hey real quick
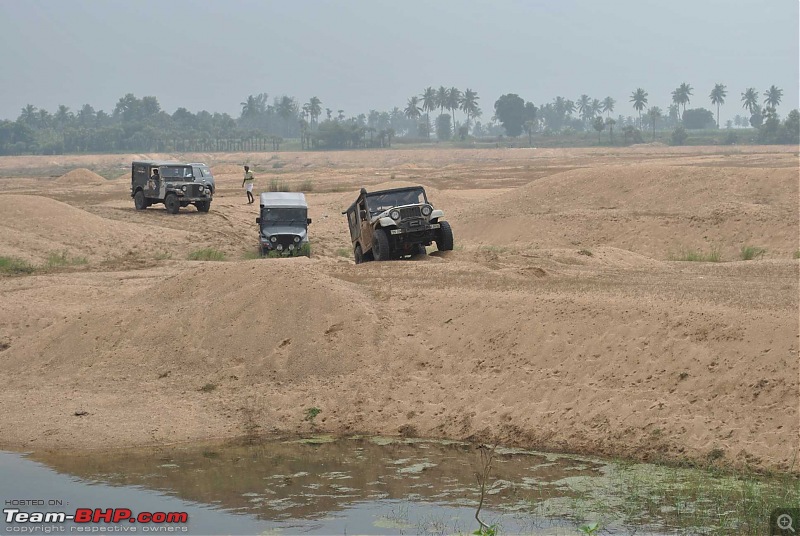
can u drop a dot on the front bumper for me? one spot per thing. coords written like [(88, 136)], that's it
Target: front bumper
[(416, 229)]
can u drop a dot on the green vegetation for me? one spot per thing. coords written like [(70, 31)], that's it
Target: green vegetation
[(207, 388), (55, 260), (343, 252), (311, 414), (306, 186), (14, 266), (749, 253), (589, 528), (252, 254), (683, 500), (206, 254), (693, 255), (797, 254), (278, 186)]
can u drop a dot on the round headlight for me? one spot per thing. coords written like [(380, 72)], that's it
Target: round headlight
[(183, 188), (291, 247), (296, 239), (280, 247), (426, 210), (273, 239), (395, 215)]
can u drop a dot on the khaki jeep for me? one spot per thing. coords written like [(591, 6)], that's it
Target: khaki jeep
[(389, 224)]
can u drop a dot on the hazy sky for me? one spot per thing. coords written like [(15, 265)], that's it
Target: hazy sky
[(374, 54)]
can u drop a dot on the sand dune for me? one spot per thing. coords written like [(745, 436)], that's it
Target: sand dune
[(80, 176), (34, 226), (654, 210)]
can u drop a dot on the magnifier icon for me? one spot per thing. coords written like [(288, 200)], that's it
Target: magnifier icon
[(784, 522)]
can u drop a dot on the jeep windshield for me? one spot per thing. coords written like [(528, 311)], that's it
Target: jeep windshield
[(287, 216), (377, 203), (176, 173)]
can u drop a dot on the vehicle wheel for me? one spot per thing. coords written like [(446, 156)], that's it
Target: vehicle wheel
[(421, 250), (380, 246), (172, 203), (444, 240), (203, 206), (139, 201), (358, 255)]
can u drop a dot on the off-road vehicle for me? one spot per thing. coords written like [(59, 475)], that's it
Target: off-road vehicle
[(174, 185), (203, 175), (283, 224), (389, 224)]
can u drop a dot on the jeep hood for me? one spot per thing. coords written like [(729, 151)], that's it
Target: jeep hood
[(385, 213)]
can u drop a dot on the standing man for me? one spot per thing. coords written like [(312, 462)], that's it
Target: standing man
[(247, 183)]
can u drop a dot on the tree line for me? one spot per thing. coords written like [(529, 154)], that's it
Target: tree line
[(563, 115), (141, 125)]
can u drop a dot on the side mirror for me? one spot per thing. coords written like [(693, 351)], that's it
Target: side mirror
[(308, 221), (258, 220), (363, 214)]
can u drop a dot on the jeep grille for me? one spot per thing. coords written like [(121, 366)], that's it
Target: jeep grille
[(284, 240), (410, 212), (193, 190)]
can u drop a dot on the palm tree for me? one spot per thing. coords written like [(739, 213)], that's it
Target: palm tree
[(286, 108), (86, 115), (654, 113), (639, 100), (413, 111), (28, 115), (717, 96), (750, 100), (610, 124), (63, 116), (469, 104), (584, 107), (608, 106), (683, 92), (441, 98), (596, 107), (314, 110), (428, 105), (773, 96), (453, 103), (254, 106)]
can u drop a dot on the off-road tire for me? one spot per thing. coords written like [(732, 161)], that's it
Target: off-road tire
[(172, 203), (139, 200), (380, 246), (358, 255), (444, 239), (203, 206)]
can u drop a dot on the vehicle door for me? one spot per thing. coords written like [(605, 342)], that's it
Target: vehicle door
[(153, 185), (364, 225)]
